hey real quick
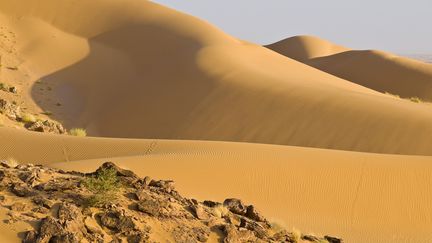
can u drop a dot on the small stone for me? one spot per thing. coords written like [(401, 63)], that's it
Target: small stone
[(30, 237), (21, 190)]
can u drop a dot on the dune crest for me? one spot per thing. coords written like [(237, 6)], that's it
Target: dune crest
[(378, 70)]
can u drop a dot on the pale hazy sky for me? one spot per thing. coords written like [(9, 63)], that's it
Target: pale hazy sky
[(401, 26)]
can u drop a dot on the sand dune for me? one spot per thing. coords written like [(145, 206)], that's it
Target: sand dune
[(134, 69), (377, 70), (140, 70), (360, 197)]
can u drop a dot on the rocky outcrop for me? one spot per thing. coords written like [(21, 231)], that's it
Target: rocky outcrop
[(14, 112), (58, 201)]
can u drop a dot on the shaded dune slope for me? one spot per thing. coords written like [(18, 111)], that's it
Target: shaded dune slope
[(311, 189), (377, 70), (145, 71)]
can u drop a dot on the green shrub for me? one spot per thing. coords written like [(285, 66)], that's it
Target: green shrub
[(104, 187), (78, 132), (28, 118), (416, 99)]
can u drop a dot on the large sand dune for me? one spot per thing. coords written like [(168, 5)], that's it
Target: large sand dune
[(134, 69), (377, 70)]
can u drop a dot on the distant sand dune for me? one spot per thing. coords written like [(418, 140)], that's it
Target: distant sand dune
[(377, 70)]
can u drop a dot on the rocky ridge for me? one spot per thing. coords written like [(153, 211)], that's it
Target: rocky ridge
[(144, 210)]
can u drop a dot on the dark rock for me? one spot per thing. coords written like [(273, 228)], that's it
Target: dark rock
[(211, 204), (153, 207), (30, 237), (332, 239), (235, 206), (41, 201), (22, 190), (166, 186), (253, 214), (312, 238), (49, 228), (117, 222), (120, 172)]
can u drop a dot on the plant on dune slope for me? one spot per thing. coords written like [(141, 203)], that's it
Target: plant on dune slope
[(78, 132), (104, 187), (28, 118)]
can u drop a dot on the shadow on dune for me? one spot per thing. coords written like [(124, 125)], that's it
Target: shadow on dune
[(137, 76)]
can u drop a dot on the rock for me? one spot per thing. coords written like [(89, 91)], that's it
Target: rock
[(18, 206), (46, 126), (141, 195), (30, 237), (22, 190), (200, 213), (49, 228), (312, 238), (166, 186), (69, 212), (92, 226), (120, 172), (235, 206), (332, 239), (68, 237), (153, 207), (10, 110), (41, 201), (140, 237), (232, 235), (211, 204), (117, 222), (13, 90), (253, 214)]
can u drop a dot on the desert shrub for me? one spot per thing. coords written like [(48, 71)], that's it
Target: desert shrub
[(11, 162), (104, 187), (394, 95), (3, 87), (416, 99), (78, 132), (28, 118)]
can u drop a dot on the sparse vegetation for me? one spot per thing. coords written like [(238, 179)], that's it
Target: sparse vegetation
[(416, 99), (394, 95), (78, 132), (104, 187), (48, 113), (296, 233), (11, 162), (28, 118)]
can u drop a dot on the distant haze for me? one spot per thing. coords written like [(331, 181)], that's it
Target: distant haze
[(397, 26)]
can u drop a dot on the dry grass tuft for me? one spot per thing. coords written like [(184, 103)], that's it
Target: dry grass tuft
[(78, 132), (28, 118)]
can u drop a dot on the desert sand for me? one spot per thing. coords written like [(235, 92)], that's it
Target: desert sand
[(309, 136)]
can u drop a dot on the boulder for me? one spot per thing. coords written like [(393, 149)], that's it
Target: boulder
[(235, 206), (253, 214), (332, 239)]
